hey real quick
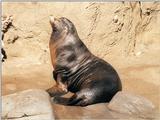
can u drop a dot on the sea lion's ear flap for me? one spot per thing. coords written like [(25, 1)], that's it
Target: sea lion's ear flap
[(52, 20)]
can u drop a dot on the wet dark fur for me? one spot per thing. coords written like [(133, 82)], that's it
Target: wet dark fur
[(91, 79)]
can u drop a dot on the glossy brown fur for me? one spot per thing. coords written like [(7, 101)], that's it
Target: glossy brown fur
[(76, 69)]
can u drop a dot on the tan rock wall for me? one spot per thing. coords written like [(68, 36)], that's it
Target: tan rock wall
[(108, 29)]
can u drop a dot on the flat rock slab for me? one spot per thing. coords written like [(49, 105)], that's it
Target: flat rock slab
[(32, 104), (131, 104)]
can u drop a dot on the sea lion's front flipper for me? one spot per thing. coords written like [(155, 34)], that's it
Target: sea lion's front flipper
[(56, 91)]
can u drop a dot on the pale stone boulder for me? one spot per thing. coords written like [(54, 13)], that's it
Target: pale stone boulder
[(131, 104), (32, 104)]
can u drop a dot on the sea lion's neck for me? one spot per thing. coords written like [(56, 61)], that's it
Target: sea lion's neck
[(71, 53)]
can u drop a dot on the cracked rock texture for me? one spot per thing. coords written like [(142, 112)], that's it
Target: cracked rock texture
[(32, 104)]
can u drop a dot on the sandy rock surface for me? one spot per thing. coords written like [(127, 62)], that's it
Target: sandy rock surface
[(124, 102), (33, 104), (125, 34)]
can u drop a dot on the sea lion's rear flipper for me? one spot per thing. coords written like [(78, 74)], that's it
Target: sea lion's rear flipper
[(76, 100), (67, 101)]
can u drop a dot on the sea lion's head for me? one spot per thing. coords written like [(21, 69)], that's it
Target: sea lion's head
[(65, 45), (63, 39), (61, 27)]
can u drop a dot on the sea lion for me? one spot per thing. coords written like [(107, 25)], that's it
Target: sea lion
[(77, 70)]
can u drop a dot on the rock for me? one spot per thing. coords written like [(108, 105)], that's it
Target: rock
[(131, 104), (12, 39), (33, 104), (138, 53), (6, 22), (115, 19)]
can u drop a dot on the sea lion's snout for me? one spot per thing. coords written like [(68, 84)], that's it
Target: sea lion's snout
[(51, 18), (59, 28)]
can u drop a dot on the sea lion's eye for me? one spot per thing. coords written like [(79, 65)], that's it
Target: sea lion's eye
[(55, 29)]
